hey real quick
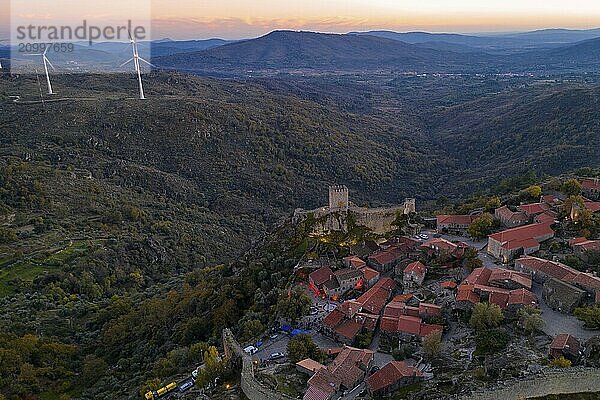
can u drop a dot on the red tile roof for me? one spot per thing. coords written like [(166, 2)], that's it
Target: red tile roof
[(518, 244), (588, 245), (403, 297), (310, 365), (448, 285), (565, 341), (427, 329), (465, 293), (547, 267), (320, 276), (587, 281), (417, 267), (390, 374), (334, 318), (347, 365), (375, 298), (523, 235), (409, 324), (522, 297), (479, 276), (500, 275), (547, 216), (369, 273), (593, 206), (577, 241), (533, 209), (354, 261), (455, 219), (397, 308), (439, 243), (349, 329), (387, 256), (591, 184), (427, 309), (507, 214), (349, 307)]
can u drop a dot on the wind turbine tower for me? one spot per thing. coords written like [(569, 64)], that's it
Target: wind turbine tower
[(46, 63), (136, 64)]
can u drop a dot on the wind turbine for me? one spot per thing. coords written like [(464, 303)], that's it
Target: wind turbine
[(46, 63), (136, 63)]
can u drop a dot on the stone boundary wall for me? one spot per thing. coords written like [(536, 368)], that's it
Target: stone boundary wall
[(251, 387), (573, 380)]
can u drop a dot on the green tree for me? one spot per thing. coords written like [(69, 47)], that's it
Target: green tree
[(363, 340), (432, 344), (589, 315), (492, 204), (472, 263), (294, 304), (481, 226), (534, 192), (486, 316), (252, 329), (530, 319), (561, 362), (490, 341), (571, 187), (94, 368), (214, 367), (301, 347)]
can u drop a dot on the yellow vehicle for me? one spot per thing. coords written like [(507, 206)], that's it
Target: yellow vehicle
[(156, 394)]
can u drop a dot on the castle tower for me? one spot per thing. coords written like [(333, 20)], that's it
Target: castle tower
[(338, 198), (410, 206)]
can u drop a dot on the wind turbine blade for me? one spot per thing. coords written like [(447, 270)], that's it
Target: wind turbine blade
[(49, 63), (149, 63), (126, 62)]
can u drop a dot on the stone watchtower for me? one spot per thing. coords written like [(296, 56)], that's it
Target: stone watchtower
[(338, 198)]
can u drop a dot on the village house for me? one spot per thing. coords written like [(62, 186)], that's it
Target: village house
[(317, 280), (443, 247), (533, 209), (510, 243), (308, 366), (385, 260), (562, 296), (352, 317), (353, 262), (542, 270), (414, 274), (370, 276), (406, 322), (591, 188), (457, 224), (374, 299), (347, 278), (567, 346), (392, 377), (345, 372), (507, 279), (510, 294), (509, 218), (582, 247)]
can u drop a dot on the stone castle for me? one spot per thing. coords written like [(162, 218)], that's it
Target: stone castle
[(335, 216)]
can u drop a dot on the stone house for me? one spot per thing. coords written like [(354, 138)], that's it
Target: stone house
[(562, 296)]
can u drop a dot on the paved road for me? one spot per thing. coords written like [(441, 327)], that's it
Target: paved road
[(557, 323)]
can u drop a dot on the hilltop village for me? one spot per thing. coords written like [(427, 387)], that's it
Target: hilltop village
[(410, 304)]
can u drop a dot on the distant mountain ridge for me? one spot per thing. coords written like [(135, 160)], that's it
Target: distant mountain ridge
[(290, 51)]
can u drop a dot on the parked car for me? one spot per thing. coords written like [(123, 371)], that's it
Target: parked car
[(250, 349), (277, 356), (185, 386), (274, 336)]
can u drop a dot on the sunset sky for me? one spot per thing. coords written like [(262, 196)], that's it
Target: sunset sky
[(232, 19)]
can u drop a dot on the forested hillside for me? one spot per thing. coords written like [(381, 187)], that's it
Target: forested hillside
[(119, 218)]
